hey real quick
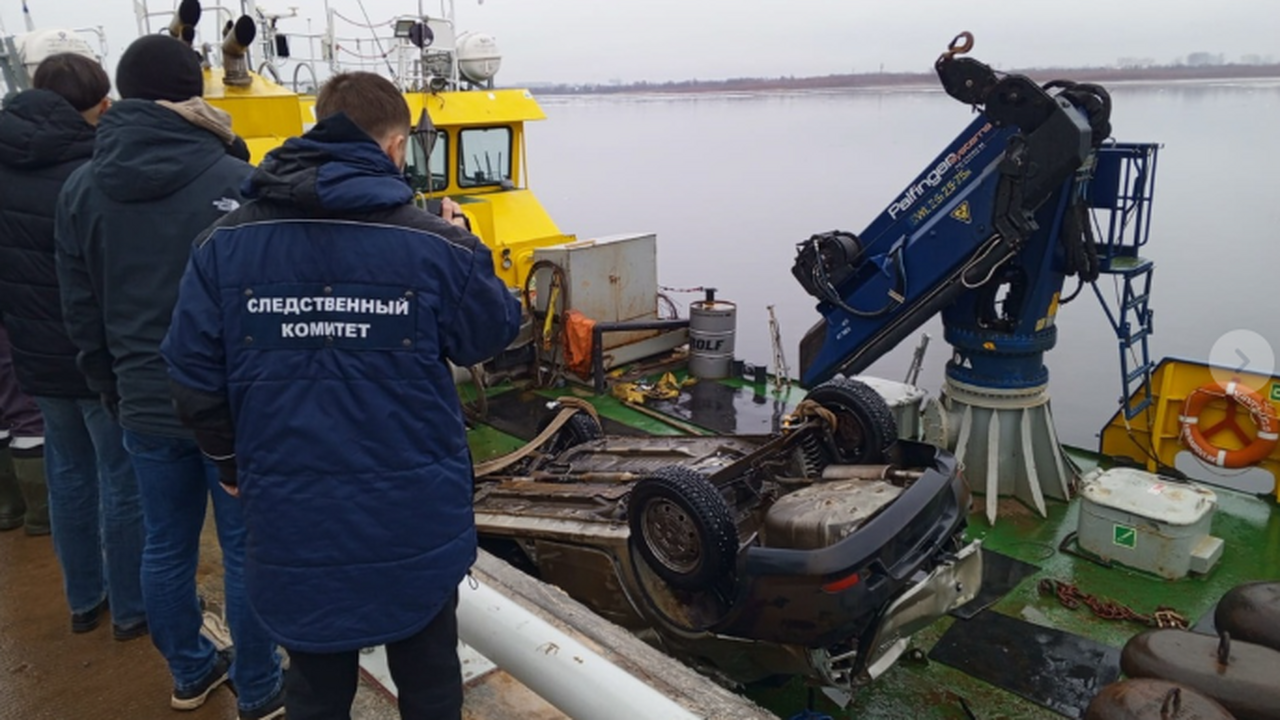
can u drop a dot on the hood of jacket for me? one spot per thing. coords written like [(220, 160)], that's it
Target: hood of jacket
[(38, 128), (335, 167), (146, 151)]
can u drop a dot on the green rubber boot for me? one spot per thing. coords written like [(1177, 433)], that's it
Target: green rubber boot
[(12, 506), (29, 467)]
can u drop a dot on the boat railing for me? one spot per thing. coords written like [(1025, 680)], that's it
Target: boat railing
[(413, 62), (145, 16), (1121, 191), (418, 52)]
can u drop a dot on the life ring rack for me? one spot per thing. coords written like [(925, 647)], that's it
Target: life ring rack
[(1261, 411)]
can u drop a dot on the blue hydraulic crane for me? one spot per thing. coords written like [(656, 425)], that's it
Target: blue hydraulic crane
[(986, 236)]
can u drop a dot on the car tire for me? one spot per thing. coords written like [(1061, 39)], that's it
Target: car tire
[(580, 428), (865, 426), (683, 528)]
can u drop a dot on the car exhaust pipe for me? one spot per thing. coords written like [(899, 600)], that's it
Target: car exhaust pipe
[(868, 472)]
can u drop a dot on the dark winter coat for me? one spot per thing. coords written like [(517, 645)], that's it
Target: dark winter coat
[(42, 141), (125, 226), (310, 342)]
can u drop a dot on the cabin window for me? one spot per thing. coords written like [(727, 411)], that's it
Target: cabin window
[(434, 169), (484, 156)]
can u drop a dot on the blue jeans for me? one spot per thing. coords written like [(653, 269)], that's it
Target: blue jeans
[(176, 482), (94, 508)]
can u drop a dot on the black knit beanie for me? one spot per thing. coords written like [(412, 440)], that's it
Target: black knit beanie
[(159, 67)]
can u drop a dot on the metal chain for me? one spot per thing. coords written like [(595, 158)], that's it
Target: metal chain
[(1073, 597)]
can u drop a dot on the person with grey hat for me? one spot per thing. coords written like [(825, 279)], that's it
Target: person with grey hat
[(125, 223)]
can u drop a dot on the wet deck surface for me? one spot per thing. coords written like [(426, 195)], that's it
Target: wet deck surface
[(931, 690)]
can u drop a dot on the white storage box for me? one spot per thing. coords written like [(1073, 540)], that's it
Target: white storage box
[(610, 279), (1148, 522)]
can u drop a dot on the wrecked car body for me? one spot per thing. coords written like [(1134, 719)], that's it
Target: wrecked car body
[(816, 551)]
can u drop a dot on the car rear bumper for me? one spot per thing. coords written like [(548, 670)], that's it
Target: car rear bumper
[(819, 598), (952, 583)]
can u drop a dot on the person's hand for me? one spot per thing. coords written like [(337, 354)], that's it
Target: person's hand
[(228, 475), (111, 402), (452, 212)]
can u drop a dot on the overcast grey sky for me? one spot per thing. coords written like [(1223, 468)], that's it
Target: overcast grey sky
[(600, 40)]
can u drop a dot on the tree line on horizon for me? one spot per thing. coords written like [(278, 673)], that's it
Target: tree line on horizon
[(1151, 73)]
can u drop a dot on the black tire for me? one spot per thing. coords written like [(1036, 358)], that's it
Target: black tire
[(865, 426), (580, 428), (683, 528)]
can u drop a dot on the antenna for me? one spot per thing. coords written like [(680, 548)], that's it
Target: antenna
[(26, 17)]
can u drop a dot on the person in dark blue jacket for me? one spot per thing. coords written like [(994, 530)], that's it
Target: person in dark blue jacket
[(309, 350), (46, 133), (160, 175)]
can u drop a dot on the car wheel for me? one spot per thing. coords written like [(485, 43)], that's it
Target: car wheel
[(683, 528), (580, 428), (865, 426)]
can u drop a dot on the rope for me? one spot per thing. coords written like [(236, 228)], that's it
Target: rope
[(811, 409), (664, 288), (665, 302), (377, 40), (374, 58), (569, 407), (367, 26)]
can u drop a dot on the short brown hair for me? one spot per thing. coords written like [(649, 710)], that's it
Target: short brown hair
[(78, 79), (369, 100)]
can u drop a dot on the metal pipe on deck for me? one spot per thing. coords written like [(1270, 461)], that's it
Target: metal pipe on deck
[(563, 671), (597, 341)]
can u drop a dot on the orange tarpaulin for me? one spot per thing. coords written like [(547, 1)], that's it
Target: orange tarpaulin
[(578, 342)]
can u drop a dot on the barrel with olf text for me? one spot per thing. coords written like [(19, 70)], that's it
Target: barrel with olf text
[(712, 324)]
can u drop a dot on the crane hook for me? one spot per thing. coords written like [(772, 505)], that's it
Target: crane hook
[(960, 45)]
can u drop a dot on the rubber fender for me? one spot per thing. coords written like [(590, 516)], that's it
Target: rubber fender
[(1251, 612), (1149, 699), (1245, 684)]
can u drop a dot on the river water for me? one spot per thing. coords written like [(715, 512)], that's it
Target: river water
[(731, 182)]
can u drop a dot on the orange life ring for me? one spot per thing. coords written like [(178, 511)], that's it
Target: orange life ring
[(1255, 449)]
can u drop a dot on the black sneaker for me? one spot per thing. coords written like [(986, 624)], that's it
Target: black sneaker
[(195, 697), (272, 710), (88, 620), (132, 632)]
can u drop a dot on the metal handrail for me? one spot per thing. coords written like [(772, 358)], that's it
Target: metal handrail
[(315, 81)]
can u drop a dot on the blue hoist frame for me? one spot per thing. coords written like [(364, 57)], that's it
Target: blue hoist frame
[(986, 236)]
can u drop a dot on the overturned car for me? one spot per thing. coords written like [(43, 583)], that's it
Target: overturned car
[(816, 551)]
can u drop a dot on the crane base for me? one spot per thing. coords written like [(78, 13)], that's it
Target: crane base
[(1005, 441)]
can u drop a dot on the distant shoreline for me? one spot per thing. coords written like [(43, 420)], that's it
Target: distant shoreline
[(880, 80)]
